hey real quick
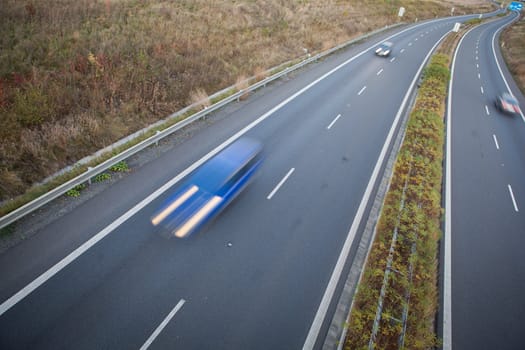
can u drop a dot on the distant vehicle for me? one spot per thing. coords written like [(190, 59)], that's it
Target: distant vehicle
[(210, 189), (507, 103), (384, 49)]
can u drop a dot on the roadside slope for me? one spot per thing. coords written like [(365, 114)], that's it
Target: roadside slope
[(76, 76)]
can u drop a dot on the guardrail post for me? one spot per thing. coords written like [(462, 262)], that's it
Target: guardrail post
[(89, 169), (157, 142)]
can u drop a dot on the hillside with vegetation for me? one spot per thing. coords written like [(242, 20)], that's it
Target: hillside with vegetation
[(77, 75), (513, 47)]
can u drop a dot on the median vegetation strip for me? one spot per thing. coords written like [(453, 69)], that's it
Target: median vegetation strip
[(396, 301)]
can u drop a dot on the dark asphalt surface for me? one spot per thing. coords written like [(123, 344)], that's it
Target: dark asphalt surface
[(263, 291), (488, 235)]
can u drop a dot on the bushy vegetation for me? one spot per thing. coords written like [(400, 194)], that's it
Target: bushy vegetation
[(412, 209), (120, 167), (102, 177), (77, 75), (75, 191)]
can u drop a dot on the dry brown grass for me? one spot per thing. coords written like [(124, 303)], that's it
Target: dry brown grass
[(200, 98), (88, 72), (513, 47)]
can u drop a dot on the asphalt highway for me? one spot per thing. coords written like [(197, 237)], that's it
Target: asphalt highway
[(487, 221), (101, 277)]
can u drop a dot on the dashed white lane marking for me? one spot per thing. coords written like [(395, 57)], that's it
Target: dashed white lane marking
[(328, 295), (163, 324), (333, 122), (477, 58), (477, 65), (495, 141), (479, 76), (392, 59), (379, 71), (415, 39), (487, 110), (362, 90), (280, 183), (409, 44), (402, 50), (513, 199), (482, 91)]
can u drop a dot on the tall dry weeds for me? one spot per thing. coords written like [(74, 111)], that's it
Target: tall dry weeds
[(513, 47)]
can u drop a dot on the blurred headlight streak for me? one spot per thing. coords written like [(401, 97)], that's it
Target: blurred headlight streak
[(198, 217), (157, 219)]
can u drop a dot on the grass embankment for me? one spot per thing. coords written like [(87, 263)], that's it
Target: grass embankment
[(513, 48), (412, 211), (77, 75)]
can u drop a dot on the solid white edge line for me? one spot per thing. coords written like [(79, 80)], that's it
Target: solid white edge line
[(447, 268), (495, 141), (487, 110), (362, 90), (333, 122), (320, 315), (379, 71), (497, 62), (513, 199), (21, 294), (280, 183), (163, 324)]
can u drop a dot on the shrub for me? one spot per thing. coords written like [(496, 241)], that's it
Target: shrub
[(120, 167), (31, 106), (75, 192), (102, 177)]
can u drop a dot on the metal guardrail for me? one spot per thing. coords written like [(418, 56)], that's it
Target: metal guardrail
[(92, 172)]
